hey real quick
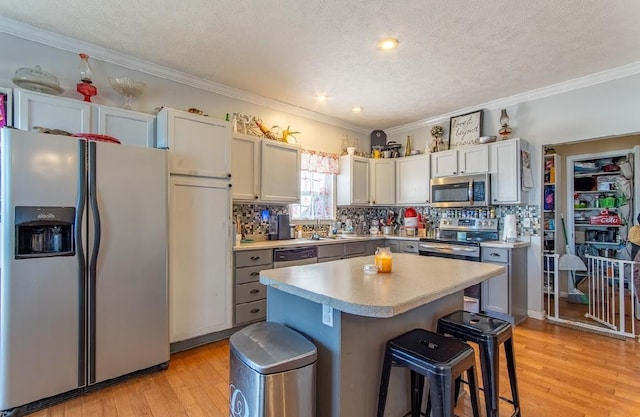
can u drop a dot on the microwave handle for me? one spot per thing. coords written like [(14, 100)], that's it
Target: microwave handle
[(470, 191)]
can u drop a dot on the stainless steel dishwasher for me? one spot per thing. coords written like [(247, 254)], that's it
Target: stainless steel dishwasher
[(295, 256)]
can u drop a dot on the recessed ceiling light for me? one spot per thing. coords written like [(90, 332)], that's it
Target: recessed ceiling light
[(322, 97), (357, 109), (389, 43)]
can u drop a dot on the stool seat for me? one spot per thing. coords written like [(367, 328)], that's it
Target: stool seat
[(441, 359), (489, 333), (474, 326)]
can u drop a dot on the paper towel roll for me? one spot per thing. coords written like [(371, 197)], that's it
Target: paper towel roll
[(510, 231)]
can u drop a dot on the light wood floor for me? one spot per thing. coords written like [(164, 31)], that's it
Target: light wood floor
[(561, 372)]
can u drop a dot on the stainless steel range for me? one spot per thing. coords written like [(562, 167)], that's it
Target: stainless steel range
[(459, 238)]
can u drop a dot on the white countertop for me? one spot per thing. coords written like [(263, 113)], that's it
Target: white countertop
[(414, 281), (288, 243)]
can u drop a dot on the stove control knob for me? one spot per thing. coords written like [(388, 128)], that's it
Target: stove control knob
[(490, 223)]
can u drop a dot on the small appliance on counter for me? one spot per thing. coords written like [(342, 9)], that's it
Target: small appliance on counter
[(279, 227), (510, 231)]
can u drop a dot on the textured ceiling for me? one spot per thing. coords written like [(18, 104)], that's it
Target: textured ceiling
[(453, 54)]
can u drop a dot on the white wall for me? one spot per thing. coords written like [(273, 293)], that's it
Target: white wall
[(603, 110), (607, 109), (19, 53)]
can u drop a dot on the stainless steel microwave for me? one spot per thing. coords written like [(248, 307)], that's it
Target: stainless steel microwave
[(461, 191)]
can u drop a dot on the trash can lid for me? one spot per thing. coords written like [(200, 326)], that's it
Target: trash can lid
[(270, 348)]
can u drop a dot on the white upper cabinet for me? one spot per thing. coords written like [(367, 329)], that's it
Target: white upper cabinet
[(280, 172), (198, 145), (265, 170), (128, 127), (76, 116), (444, 163), (51, 112), (463, 161), (353, 181), (473, 159), (412, 179), (245, 167), (382, 180), (505, 162)]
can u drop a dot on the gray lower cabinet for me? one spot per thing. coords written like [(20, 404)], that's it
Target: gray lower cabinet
[(409, 246), (249, 295), (505, 296), (331, 252), (355, 249), (393, 245), (336, 251), (402, 246)]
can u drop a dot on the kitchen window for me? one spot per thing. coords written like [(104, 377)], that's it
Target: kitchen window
[(317, 187)]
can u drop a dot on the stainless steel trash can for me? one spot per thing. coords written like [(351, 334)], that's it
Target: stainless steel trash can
[(272, 372)]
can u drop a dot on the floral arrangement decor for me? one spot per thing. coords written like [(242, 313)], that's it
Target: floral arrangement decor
[(436, 132)]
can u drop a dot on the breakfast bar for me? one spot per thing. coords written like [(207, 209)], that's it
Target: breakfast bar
[(350, 314)]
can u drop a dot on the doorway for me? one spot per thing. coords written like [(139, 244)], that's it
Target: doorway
[(587, 216)]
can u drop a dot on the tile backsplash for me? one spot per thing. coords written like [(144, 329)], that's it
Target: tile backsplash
[(254, 218)]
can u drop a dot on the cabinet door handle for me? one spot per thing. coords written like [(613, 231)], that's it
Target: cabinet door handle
[(254, 258), (254, 274), (494, 254), (255, 196), (454, 172), (255, 310), (254, 291), (229, 175)]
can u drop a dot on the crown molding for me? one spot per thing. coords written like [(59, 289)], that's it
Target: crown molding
[(32, 33), (563, 87), (55, 40)]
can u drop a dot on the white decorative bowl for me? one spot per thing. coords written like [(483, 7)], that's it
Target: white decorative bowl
[(487, 139), (128, 88)]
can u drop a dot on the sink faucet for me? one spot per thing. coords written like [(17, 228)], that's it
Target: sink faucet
[(316, 229)]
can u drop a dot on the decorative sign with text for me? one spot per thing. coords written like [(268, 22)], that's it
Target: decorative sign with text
[(465, 129)]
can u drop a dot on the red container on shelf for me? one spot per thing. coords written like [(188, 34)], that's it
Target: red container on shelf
[(605, 218)]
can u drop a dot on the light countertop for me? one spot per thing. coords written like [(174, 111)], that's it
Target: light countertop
[(414, 281), (289, 243)]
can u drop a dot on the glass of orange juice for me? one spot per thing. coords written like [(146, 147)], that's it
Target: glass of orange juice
[(383, 259)]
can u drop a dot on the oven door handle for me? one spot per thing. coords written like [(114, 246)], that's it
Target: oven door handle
[(470, 192), (439, 247), (463, 249)]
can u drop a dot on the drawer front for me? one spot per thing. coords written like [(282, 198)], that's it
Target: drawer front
[(354, 248), (329, 251), (251, 274), (254, 257), (253, 311), (409, 246), (495, 255), (253, 291), (329, 259)]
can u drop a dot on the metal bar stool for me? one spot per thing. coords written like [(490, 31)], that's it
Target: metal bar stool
[(488, 333), (441, 359)]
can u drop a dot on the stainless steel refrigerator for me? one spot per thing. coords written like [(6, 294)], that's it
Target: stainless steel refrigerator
[(83, 284)]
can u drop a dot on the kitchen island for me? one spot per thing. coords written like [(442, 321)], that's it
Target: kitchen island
[(350, 315)]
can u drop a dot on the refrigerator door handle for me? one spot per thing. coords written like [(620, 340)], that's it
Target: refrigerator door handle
[(82, 262), (93, 203), (95, 210)]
